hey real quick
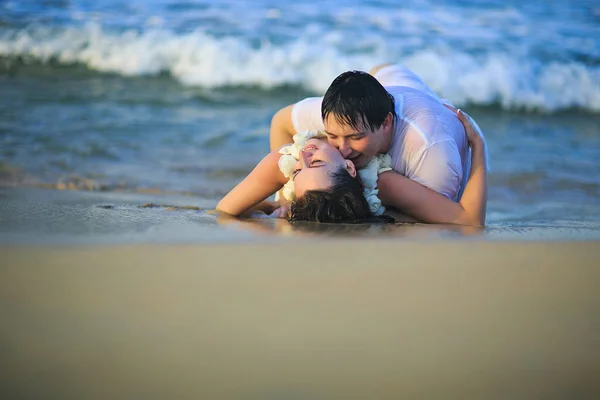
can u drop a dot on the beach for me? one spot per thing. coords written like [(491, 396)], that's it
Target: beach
[(143, 295), (122, 125), (346, 318), (33, 216)]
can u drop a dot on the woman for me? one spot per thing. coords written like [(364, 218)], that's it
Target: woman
[(324, 186), (327, 188)]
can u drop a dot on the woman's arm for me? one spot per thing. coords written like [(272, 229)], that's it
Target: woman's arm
[(429, 206), (262, 182)]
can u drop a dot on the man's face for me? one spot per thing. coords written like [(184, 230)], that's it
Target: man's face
[(359, 145)]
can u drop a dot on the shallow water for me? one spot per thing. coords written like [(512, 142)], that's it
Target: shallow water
[(177, 97), (59, 217)]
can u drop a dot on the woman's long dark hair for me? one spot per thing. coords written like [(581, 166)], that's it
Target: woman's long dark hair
[(344, 202)]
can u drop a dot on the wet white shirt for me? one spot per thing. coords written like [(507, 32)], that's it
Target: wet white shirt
[(429, 145)]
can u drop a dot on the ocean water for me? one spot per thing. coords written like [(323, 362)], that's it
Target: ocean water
[(177, 96)]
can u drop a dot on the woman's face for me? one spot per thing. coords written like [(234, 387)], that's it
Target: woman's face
[(318, 161)]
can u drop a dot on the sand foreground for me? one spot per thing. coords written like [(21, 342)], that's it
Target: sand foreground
[(334, 319)]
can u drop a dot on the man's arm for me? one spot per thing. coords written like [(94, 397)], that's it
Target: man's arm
[(420, 202), (282, 128), (429, 206)]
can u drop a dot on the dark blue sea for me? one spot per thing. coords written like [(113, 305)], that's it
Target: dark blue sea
[(169, 101)]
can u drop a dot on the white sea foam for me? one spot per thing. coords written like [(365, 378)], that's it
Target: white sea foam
[(200, 59)]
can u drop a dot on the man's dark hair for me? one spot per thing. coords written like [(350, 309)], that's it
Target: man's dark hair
[(344, 202), (356, 98)]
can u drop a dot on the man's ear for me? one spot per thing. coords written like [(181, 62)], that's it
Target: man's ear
[(388, 120), (351, 168)]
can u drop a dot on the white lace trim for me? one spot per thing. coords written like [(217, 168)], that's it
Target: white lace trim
[(290, 154), (380, 163)]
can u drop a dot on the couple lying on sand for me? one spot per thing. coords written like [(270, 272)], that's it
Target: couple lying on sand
[(375, 139)]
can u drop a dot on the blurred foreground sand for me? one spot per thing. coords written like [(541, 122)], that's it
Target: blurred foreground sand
[(316, 320)]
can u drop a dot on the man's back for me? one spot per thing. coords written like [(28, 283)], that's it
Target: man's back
[(429, 144)]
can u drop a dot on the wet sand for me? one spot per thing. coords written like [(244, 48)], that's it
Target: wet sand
[(352, 318), (34, 216)]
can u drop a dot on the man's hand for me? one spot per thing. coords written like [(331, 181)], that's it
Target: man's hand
[(473, 131), (474, 134)]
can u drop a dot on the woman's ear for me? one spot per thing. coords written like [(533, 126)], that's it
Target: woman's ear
[(351, 168)]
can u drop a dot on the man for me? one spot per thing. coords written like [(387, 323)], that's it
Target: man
[(405, 119)]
